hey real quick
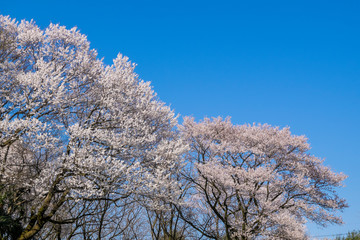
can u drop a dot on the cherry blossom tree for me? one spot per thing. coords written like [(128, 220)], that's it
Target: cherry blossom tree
[(256, 181), (74, 131), (88, 151)]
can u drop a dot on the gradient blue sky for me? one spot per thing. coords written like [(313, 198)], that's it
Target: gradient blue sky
[(286, 63)]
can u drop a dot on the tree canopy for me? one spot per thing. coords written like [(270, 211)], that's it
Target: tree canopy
[(88, 151), (73, 129), (256, 180)]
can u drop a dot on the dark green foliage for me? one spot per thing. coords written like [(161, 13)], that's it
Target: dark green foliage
[(354, 235), (9, 228)]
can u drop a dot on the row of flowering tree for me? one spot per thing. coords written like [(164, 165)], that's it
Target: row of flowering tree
[(87, 151)]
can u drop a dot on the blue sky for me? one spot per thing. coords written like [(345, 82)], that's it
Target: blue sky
[(286, 63)]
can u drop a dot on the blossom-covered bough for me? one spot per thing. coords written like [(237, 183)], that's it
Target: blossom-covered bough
[(87, 151), (74, 131), (256, 182)]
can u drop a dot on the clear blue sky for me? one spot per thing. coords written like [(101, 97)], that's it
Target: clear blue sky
[(286, 63)]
